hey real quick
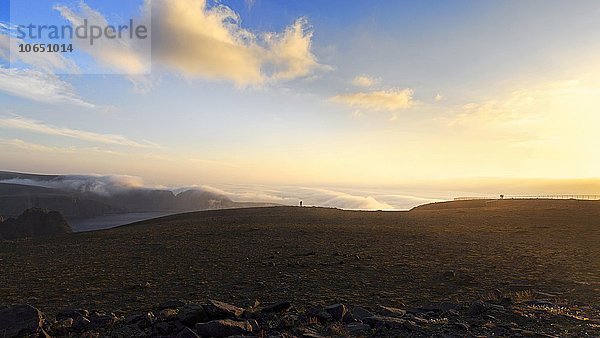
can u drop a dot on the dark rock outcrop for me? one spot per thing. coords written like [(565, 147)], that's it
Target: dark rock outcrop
[(20, 320), (34, 222)]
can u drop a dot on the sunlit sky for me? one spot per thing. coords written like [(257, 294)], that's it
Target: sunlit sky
[(319, 93)]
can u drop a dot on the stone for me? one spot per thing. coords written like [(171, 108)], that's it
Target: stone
[(357, 329), (320, 314), (494, 307), (419, 320), (81, 324), (67, 322), (447, 306), (142, 320), (72, 313), (100, 321), (278, 307), (360, 313), (191, 314), (187, 333), (476, 308), (410, 325), (219, 310), (383, 321), (167, 314), (337, 311), (254, 324), (223, 328), (127, 331), (20, 320), (43, 334), (462, 326), (391, 311), (310, 333), (164, 328)]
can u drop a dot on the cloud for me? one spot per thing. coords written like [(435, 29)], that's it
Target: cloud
[(209, 42), (99, 184), (130, 56), (290, 53), (309, 196), (24, 145), (288, 195), (47, 62), (382, 100), (39, 86), (39, 127), (438, 97), (365, 81), (203, 41)]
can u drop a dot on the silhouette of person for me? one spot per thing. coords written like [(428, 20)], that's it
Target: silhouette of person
[(300, 203)]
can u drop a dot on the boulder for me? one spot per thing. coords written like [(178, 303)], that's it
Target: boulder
[(81, 324), (476, 308), (141, 320), (191, 314), (20, 320), (219, 310), (167, 314), (320, 314), (357, 329), (360, 313), (337, 311), (187, 333), (391, 311), (100, 321), (223, 328), (72, 313), (447, 306), (384, 321), (278, 307)]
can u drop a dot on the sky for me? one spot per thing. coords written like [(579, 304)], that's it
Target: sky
[(424, 98)]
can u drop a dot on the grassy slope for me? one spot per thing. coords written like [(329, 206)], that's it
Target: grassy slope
[(456, 250)]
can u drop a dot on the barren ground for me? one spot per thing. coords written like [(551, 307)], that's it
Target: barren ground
[(455, 251)]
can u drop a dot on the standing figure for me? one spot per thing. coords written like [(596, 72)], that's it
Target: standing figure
[(300, 203)]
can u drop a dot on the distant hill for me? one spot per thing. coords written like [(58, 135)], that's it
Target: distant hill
[(15, 198), (34, 222), (82, 197)]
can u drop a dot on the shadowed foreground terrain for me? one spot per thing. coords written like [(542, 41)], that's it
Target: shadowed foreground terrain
[(454, 251)]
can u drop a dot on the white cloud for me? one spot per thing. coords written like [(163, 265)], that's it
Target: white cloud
[(130, 56), (382, 100), (47, 62), (309, 196), (290, 53), (99, 184), (39, 127), (438, 97), (365, 81), (199, 40), (28, 146), (209, 42), (39, 86)]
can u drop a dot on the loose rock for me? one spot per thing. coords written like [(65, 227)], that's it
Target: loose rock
[(219, 310), (223, 328)]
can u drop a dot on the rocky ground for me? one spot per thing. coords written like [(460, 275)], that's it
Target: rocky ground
[(517, 315), (534, 265)]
